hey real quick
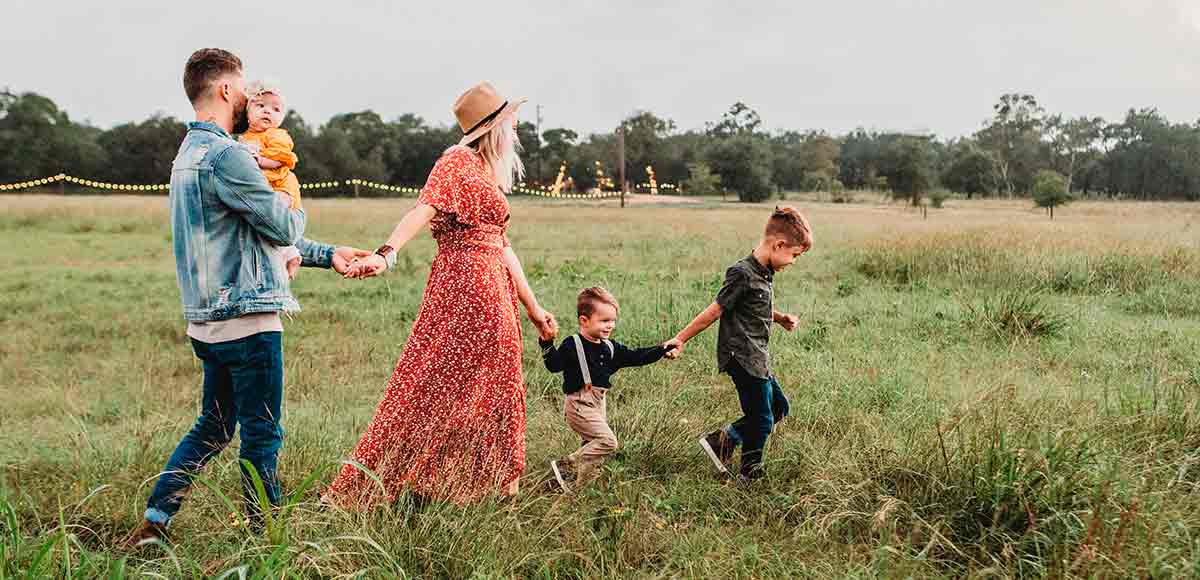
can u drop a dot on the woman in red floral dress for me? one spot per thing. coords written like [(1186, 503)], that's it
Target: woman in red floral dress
[(451, 424)]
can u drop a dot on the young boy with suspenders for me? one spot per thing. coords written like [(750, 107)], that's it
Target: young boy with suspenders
[(587, 361)]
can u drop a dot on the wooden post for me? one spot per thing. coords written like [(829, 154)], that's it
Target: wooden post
[(621, 161), (355, 190), (538, 139)]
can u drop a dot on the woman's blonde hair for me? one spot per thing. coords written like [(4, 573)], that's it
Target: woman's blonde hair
[(501, 149)]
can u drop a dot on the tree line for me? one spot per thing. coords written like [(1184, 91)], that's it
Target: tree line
[(1142, 156)]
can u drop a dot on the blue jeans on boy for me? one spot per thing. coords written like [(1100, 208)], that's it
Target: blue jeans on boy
[(243, 385), (763, 405)]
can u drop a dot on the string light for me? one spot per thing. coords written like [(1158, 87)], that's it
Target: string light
[(555, 193)]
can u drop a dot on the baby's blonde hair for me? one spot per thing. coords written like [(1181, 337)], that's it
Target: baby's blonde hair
[(258, 88)]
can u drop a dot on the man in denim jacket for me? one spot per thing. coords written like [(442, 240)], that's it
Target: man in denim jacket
[(225, 218)]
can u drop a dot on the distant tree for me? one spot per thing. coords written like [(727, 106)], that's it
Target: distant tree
[(37, 139), (531, 151), (142, 152), (744, 164), (701, 180), (907, 164), (645, 136), (971, 170), (861, 158), (818, 158), (738, 120), (787, 170), (1013, 135), (1143, 155), (557, 144), (1050, 190), (1074, 143), (311, 167)]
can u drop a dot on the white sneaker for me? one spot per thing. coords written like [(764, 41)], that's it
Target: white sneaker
[(712, 455), (560, 477)]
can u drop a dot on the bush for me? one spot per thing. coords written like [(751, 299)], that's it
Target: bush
[(701, 180), (1050, 190), (846, 287), (938, 197), (1017, 314)]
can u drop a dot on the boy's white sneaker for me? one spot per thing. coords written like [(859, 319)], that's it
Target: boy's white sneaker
[(719, 450), (561, 476)]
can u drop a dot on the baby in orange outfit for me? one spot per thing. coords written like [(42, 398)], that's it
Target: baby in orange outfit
[(272, 147)]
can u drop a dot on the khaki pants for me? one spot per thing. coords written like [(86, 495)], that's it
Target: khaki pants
[(587, 415)]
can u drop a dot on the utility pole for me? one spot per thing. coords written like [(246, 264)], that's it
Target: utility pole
[(538, 130), (621, 161)]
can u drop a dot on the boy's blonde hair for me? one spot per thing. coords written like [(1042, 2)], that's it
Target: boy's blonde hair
[(589, 297), (788, 224), (257, 88)]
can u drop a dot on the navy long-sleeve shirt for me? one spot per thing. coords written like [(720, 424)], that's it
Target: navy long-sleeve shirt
[(601, 363)]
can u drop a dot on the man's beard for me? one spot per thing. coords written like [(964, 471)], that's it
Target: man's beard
[(241, 122)]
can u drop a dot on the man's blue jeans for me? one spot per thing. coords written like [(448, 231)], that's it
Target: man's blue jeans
[(763, 405), (243, 385)]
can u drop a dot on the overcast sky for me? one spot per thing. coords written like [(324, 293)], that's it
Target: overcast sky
[(913, 65)]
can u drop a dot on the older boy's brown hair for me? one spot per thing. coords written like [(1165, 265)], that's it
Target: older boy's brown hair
[(589, 297), (788, 224), (204, 67)]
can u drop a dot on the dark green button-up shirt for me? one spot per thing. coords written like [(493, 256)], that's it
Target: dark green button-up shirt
[(746, 316)]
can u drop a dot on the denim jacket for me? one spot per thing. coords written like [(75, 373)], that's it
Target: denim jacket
[(226, 225)]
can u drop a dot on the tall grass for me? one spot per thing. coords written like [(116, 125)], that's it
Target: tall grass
[(968, 399)]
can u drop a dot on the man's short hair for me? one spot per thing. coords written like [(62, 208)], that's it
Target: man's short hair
[(204, 67), (789, 225)]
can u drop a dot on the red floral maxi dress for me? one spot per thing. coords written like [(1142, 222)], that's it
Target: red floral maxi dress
[(451, 424)]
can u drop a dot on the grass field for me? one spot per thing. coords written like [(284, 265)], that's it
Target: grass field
[(983, 393)]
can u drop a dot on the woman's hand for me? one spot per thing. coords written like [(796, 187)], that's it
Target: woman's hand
[(343, 257), (546, 325), (366, 267)]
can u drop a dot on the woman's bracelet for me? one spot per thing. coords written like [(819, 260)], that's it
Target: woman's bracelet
[(388, 254)]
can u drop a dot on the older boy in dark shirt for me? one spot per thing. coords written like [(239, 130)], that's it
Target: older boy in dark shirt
[(588, 361), (744, 305)]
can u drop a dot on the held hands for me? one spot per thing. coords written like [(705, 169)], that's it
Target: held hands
[(674, 348), (344, 256), (547, 326), (365, 266)]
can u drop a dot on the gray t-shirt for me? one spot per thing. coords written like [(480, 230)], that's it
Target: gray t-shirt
[(746, 316)]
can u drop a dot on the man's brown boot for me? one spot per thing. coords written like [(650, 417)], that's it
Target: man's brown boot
[(148, 531)]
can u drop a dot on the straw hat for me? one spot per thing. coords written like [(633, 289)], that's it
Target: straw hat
[(478, 109)]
